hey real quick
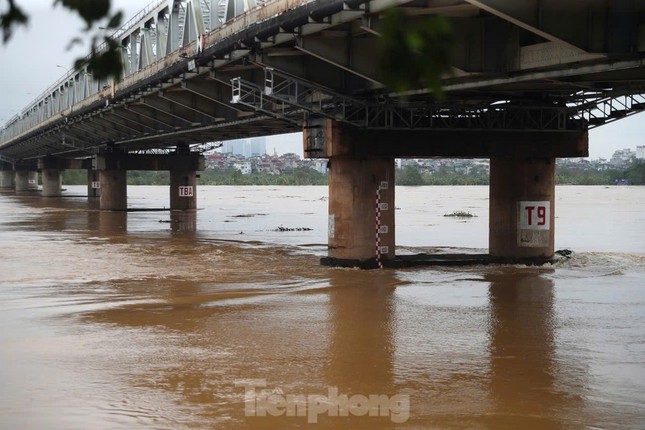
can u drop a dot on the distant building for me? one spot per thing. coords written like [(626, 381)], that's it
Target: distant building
[(243, 166), (248, 148), (640, 152), (320, 166), (622, 157)]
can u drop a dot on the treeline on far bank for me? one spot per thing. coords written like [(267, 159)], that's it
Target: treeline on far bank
[(564, 175), (632, 174), (297, 176)]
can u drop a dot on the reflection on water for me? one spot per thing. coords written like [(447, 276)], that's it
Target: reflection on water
[(522, 351), (160, 319)]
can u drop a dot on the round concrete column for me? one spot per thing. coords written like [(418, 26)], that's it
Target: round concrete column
[(52, 183), (93, 183), (522, 211), (114, 190), (183, 189), (7, 179), (355, 184)]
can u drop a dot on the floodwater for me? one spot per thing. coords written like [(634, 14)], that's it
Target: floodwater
[(218, 320)]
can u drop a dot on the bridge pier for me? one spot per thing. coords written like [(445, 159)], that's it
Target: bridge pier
[(360, 190), (52, 182), (361, 195), (26, 180), (93, 183), (114, 190), (183, 189), (7, 179), (182, 165), (52, 175), (522, 184), (522, 212)]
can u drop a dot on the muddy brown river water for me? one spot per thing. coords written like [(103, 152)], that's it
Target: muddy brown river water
[(219, 320)]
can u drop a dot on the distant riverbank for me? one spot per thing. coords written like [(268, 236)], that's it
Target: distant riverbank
[(634, 174)]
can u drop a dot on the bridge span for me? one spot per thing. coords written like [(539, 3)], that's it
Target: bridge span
[(527, 81)]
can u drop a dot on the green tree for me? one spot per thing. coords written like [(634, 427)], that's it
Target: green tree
[(101, 63), (636, 173), (415, 51), (409, 176)]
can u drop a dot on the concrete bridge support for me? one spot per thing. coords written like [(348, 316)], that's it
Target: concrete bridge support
[(52, 174), (182, 165), (522, 211), (7, 179), (52, 182), (522, 183), (183, 189), (26, 180), (361, 209), (114, 190), (361, 195), (93, 183)]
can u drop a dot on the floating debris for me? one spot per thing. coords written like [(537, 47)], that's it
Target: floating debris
[(247, 215), (460, 214), (566, 253), (293, 229)]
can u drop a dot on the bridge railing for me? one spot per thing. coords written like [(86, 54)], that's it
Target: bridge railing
[(154, 33)]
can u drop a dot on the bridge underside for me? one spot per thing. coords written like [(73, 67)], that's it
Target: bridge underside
[(529, 66)]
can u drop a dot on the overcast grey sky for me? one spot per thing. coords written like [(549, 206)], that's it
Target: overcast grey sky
[(28, 65)]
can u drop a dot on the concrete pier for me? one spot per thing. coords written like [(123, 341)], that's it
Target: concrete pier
[(522, 187), (93, 183), (183, 189), (522, 211), (113, 167), (52, 182), (7, 178), (26, 180), (114, 190), (359, 189)]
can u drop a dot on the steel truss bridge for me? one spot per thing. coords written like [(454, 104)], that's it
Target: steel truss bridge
[(201, 71)]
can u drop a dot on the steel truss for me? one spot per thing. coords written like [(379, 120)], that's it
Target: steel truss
[(598, 108), (283, 96), (196, 148)]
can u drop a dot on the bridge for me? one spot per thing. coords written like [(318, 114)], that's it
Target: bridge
[(527, 80)]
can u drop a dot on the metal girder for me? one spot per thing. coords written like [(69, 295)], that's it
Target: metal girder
[(213, 93), (101, 126), (129, 119), (248, 94), (596, 109), (87, 131), (83, 148), (312, 69), (137, 109), (6, 159), (285, 95), (165, 108), (587, 25), (354, 57), (182, 100), (288, 90), (119, 124)]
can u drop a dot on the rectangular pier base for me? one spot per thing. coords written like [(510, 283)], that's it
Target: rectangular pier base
[(402, 261)]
